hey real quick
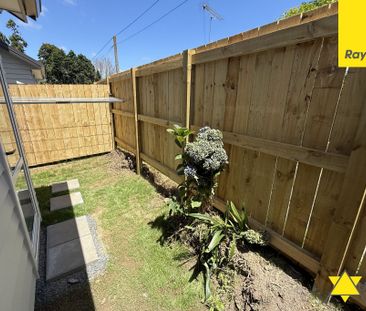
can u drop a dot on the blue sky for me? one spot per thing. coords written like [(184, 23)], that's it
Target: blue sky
[(85, 25)]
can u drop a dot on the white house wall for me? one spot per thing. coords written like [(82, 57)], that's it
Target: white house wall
[(17, 276)]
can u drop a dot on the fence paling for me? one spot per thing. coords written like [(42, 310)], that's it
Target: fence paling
[(289, 117)]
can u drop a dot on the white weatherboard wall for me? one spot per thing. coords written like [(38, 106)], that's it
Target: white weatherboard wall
[(17, 275)]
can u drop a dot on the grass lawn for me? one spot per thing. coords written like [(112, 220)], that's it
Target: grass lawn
[(141, 274)]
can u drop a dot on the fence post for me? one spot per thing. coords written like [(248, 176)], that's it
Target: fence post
[(187, 78), (135, 110), (346, 217), (109, 84)]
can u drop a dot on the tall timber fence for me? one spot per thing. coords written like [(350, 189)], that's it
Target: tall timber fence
[(53, 132), (294, 127)]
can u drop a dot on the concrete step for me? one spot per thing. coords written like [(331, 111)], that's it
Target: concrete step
[(70, 247), (67, 231), (65, 201), (67, 185)]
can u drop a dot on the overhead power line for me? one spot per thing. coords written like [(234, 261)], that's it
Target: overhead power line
[(138, 17), (102, 48), (106, 54), (126, 27), (154, 22)]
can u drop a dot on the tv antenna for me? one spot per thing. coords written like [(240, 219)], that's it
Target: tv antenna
[(213, 15)]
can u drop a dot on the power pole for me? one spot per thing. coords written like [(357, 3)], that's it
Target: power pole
[(116, 63)]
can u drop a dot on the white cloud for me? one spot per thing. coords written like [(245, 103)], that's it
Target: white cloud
[(93, 54), (63, 48), (31, 24), (70, 2), (44, 10)]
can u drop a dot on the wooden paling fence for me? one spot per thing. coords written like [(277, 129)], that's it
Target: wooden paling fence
[(58, 131), (294, 127)]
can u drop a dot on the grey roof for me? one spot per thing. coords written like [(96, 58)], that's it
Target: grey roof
[(31, 61)]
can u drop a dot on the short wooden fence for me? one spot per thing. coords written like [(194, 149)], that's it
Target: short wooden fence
[(53, 132), (294, 127)]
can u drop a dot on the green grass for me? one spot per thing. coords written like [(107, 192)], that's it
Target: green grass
[(141, 274)]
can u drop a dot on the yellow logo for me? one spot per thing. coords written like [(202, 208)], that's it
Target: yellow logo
[(345, 285), (351, 26)]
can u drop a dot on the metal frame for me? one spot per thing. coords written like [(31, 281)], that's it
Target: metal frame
[(22, 163), (33, 251), (62, 100)]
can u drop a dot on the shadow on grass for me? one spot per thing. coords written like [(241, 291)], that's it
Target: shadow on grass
[(169, 227)]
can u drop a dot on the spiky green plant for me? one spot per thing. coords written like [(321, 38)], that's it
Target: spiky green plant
[(218, 244)]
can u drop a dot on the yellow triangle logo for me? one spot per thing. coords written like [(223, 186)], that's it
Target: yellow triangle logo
[(345, 285)]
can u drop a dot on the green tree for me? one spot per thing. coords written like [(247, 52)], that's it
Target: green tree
[(306, 6), (62, 68), (4, 38), (98, 76), (15, 40), (53, 60)]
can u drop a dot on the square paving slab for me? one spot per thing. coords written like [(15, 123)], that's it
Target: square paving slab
[(65, 201), (71, 256), (67, 231), (68, 185)]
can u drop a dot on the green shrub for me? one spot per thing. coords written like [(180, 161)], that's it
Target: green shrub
[(306, 6), (202, 160)]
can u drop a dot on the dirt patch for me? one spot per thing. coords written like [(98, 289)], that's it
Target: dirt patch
[(268, 281), (121, 161), (163, 185)]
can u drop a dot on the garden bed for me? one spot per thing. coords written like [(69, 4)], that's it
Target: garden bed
[(143, 272)]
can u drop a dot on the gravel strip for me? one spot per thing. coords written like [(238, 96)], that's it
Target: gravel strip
[(46, 292)]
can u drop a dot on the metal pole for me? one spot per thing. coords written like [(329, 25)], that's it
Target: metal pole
[(19, 143), (115, 53)]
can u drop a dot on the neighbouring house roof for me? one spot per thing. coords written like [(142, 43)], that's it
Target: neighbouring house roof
[(22, 8), (25, 58), (36, 66)]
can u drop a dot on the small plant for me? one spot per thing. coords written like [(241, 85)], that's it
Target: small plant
[(181, 135), (215, 303), (202, 160), (218, 246)]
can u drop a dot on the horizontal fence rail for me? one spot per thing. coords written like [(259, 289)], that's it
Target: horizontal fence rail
[(77, 124), (294, 127)]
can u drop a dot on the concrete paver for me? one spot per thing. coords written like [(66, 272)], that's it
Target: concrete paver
[(65, 201), (67, 185)]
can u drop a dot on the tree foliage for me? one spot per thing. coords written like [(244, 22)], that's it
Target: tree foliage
[(306, 6), (62, 68), (15, 39)]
